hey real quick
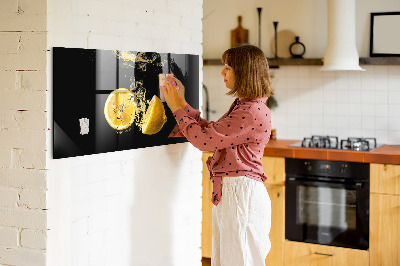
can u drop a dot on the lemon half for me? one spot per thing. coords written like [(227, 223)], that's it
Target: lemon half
[(154, 118), (120, 109)]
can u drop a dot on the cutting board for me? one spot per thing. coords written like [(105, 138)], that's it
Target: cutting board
[(239, 35)]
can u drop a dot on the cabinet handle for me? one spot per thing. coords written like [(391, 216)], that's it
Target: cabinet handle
[(325, 254)]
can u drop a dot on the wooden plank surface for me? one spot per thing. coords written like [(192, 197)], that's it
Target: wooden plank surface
[(277, 234), (384, 236), (305, 254), (206, 232), (385, 179)]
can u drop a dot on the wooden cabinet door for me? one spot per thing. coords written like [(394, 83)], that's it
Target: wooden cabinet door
[(274, 168), (305, 254), (385, 178), (206, 232), (277, 233), (384, 236)]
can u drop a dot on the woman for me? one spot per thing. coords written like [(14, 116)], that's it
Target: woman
[(242, 208)]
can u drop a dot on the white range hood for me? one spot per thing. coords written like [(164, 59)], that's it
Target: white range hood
[(341, 51)]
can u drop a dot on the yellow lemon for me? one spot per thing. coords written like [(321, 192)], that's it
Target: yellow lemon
[(154, 118), (120, 109)]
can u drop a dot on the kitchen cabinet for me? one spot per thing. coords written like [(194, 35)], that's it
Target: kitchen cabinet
[(384, 245), (384, 221), (206, 225), (305, 254), (385, 229), (385, 214), (385, 178), (277, 233), (274, 168)]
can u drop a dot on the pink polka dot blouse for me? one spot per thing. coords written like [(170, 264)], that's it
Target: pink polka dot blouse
[(238, 139)]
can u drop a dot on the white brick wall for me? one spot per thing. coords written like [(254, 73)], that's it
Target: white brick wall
[(23, 178), (23, 16), (24, 256), (23, 218), (8, 197), (136, 207), (22, 132), (34, 239), (101, 206), (9, 237)]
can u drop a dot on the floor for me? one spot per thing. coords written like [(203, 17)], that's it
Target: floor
[(206, 261)]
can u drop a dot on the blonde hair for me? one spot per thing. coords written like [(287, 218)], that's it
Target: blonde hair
[(250, 66)]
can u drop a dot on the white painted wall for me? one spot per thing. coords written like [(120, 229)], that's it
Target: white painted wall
[(305, 18), (22, 132), (311, 102), (136, 207)]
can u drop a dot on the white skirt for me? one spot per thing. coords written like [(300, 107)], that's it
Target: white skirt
[(241, 223)]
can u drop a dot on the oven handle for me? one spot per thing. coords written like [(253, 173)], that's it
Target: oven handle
[(357, 185)]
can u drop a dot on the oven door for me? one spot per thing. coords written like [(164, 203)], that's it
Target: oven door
[(327, 213)]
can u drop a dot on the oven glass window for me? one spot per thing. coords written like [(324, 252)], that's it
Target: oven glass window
[(327, 207)]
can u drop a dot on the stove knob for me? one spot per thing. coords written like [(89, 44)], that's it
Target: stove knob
[(308, 166), (343, 168)]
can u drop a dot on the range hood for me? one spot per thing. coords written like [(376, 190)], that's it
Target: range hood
[(341, 51)]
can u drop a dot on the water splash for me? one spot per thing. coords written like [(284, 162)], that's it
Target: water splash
[(139, 60)]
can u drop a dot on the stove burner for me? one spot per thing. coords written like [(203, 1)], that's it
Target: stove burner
[(328, 142), (358, 144), (332, 142)]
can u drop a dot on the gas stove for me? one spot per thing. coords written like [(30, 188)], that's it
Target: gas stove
[(332, 142)]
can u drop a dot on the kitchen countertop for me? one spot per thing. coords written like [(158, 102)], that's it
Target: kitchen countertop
[(389, 154)]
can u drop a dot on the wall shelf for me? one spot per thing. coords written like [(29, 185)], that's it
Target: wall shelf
[(380, 61), (274, 63)]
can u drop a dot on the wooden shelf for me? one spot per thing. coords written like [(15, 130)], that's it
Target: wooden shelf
[(380, 61), (273, 63), (212, 62)]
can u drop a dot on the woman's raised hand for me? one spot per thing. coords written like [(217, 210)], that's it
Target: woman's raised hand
[(174, 93), (181, 90)]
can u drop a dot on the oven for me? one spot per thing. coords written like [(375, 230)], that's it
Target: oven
[(327, 202)]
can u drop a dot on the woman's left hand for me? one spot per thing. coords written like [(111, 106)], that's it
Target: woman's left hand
[(172, 97)]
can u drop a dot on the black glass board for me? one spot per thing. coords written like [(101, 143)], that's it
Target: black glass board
[(84, 78)]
